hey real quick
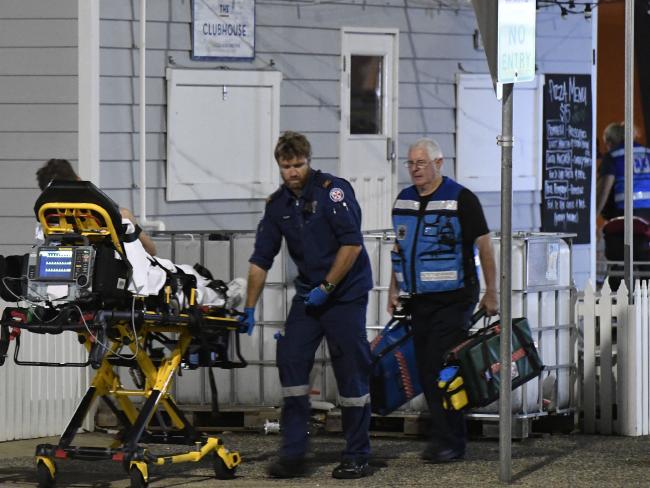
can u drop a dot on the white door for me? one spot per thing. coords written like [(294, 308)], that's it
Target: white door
[(478, 120), (222, 127), (369, 59)]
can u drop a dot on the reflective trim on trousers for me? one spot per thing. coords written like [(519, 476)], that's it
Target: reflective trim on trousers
[(354, 401), (295, 391)]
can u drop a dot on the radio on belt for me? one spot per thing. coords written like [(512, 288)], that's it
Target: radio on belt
[(49, 266)]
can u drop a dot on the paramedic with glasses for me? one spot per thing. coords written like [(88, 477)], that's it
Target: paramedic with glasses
[(438, 226)]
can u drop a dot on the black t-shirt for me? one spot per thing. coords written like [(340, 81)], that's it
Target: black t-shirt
[(472, 225)]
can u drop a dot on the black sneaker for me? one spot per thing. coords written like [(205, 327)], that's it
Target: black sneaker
[(349, 469), (437, 455), (288, 468)]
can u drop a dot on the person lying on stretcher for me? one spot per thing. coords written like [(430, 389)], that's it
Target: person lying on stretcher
[(149, 273)]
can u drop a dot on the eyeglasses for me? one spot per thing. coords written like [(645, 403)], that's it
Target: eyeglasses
[(419, 164)]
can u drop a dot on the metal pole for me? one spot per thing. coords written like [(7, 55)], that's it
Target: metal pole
[(142, 110), (505, 287), (629, 143)]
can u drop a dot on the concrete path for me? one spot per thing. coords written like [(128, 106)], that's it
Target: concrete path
[(545, 461)]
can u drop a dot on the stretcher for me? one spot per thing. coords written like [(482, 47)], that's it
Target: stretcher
[(82, 260)]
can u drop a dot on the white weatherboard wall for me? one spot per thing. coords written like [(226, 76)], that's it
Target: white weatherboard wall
[(301, 40), (38, 95), (38, 101)]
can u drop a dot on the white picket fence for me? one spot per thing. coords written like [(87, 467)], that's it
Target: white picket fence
[(38, 401), (615, 362)]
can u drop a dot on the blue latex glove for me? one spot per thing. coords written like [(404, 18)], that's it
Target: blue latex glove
[(316, 297), (248, 319)]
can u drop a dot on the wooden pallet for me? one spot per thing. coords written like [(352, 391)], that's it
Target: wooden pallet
[(229, 418), (397, 423), (240, 418)]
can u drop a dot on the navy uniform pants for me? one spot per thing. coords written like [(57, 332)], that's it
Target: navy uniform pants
[(437, 327), (344, 327)]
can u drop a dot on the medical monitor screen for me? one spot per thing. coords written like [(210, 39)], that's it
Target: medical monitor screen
[(55, 264)]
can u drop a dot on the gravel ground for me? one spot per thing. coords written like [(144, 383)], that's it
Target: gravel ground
[(540, 461)]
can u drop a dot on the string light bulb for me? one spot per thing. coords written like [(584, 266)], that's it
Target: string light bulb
[(588, 11), (564, 12)]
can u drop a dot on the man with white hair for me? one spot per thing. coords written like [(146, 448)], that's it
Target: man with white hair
[(438, 226)]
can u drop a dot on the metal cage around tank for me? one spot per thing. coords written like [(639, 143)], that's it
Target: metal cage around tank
[(542, 290)]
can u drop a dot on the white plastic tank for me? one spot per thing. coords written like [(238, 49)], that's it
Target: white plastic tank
[(542, 292)]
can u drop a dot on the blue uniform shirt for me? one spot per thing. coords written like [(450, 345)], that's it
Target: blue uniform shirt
[(315, 225)]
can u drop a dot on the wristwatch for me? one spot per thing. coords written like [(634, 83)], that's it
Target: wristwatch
[(327, 286)]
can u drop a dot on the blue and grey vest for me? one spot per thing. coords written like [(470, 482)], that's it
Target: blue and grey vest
[(429, 255), (641, 182)]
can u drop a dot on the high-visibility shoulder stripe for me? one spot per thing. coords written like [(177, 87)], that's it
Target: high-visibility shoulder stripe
[(407, 205), (442, 205)]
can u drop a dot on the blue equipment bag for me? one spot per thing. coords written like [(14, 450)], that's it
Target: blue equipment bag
[(394, 377)]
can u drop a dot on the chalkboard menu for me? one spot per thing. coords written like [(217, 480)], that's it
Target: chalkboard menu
[(567, 155)]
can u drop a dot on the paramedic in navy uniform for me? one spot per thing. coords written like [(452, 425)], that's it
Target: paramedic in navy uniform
[(438, 224), (320, 219)]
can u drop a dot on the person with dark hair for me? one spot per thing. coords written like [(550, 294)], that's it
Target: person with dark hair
[(319, 218), (55, 169), (439, 225), (61, 169)]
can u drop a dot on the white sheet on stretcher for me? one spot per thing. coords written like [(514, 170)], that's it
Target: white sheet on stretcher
[(149, 278)]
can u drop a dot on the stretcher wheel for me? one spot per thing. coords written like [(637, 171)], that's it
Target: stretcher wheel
[(45, 478), (137, 478), (221, 471)]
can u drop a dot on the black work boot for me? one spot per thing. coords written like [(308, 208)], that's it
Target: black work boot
[(349, 469), (436, 455), (288, 468)]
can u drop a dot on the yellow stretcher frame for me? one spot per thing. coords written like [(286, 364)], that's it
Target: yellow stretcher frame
[(94, 223), (79, 218), (158, 380)]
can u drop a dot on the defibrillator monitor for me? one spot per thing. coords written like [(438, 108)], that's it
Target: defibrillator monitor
[(71, 267), (55, 264)]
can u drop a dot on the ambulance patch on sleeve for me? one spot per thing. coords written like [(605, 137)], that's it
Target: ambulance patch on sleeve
[(337, 195)]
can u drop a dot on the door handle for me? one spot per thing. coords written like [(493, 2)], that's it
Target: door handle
[(390, 149)]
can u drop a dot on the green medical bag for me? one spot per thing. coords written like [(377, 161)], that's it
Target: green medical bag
[(478, 360)]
